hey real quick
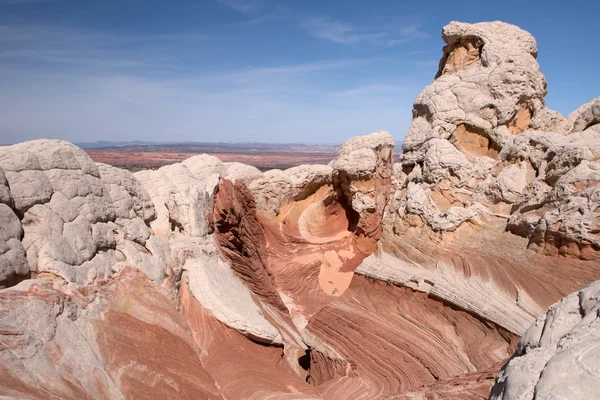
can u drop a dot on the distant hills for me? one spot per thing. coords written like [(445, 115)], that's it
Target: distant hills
[(103, 144), (193, 147)]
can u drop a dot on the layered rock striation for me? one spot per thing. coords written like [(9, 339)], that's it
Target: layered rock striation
[(361, 279)]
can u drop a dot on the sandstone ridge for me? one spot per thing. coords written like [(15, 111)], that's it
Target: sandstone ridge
[(361, 279)]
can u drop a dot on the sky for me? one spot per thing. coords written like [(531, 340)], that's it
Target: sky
[(254, 70)]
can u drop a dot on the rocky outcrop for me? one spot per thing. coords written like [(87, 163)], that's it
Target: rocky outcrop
[(559, 211), (484, 157), (362, 171), (241, 239), (13, 264), (558, 355), (358, 279), (241, 368), (465, 155), (118, 341), (276, 187), (134, 210), (585, 117), (181, 192), (66, 213)]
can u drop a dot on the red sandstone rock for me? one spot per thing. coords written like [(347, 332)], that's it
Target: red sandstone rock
[(378, 339), (242, 369), (124, 340), (471, 386), (241, 240)]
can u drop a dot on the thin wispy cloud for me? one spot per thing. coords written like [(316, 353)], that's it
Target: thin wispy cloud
[(31, 45), (338, 31), (348, 33), (243, 6), (304, 68), (259, 79), (72, 46), (71, 79), (58, 35), (22, 2), (274, 15), (373, 89)]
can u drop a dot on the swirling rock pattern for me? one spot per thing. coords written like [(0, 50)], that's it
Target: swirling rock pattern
[(122, 340), (391, 339), (470, 386), (478, 269), (241, 368), (241, 240)]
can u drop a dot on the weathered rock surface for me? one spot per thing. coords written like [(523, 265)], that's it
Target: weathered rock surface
[(118, 341), (65, 211), (241, 240), (276, 187), (133, 207), (13, 264), (358, 279), (470, 386), (558, 355), (241, 368), (484, 156), (362, 171)]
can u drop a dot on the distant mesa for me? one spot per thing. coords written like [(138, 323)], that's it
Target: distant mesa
[(103, 144)]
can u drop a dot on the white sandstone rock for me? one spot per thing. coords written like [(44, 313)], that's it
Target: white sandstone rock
[(558, 356)]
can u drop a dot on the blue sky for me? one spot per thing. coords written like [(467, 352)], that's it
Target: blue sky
[(254, 70)]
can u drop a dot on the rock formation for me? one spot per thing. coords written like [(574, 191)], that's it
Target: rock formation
[(558, 355), (361, 279), (488, 171)]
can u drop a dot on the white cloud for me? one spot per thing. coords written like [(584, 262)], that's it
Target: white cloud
[(243, 6), (90, 108), (84, 85), (379, 89), (347, 33), (22, 2)]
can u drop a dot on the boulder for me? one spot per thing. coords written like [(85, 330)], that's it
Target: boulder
[(13, 263), (558, 355), (65, 209)]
